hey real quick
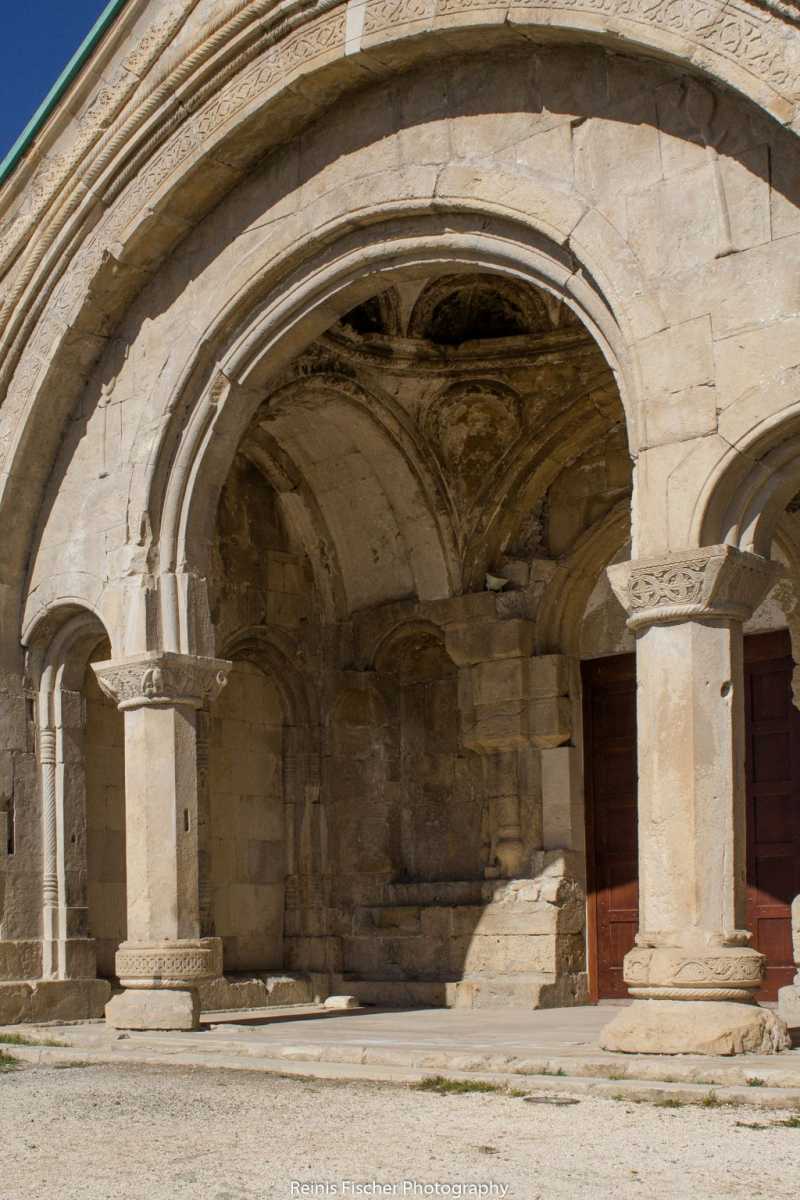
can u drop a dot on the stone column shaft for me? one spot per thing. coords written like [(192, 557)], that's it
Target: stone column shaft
[(687, 611), (204, 826), (50, 898), (164, 957), (690, 712), (161, 824)]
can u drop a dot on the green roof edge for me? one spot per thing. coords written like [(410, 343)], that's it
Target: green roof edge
[(71, 70)]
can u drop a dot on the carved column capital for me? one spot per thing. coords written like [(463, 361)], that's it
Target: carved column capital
[(710, 582), (162, 679)]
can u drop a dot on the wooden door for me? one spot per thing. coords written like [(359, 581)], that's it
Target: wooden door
[(772, 757), (609, 686)]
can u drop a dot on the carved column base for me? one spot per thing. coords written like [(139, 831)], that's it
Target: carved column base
[(730, 973), (154, 1008), (699, 1027), (160, 982), (695, 1001)]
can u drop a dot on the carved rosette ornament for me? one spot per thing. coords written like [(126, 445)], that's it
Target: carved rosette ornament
[(162, 679), (710, 583), (176, 965)]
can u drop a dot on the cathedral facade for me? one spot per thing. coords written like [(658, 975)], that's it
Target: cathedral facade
[(400, 479)]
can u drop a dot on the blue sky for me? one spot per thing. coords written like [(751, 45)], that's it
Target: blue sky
[(39, 38)]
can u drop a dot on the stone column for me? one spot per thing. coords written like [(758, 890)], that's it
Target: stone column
[(50, 898), (692, 973), (165, 956), (67, 950), (789, 997)]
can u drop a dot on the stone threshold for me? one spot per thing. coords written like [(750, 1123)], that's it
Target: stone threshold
[(574, 1083), (239, 1038)]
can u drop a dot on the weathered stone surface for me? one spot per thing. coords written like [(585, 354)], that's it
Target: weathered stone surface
[(694, 1027), (248, 990), (20, 960), (150, 1008), (53, 1000), (789, 1005), (333, 382)]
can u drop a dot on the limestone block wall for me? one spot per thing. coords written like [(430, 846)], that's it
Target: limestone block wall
[(440, 828), (247, 842)]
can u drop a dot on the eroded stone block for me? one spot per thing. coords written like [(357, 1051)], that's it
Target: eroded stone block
[(152, 1008)]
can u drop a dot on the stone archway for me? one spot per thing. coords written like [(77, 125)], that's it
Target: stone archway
[(81, 810), (429, 329), (422, 441)]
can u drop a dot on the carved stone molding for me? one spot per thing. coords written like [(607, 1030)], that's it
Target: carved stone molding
[(146, 153), (711, 582), (162, 679), (719, 973), (169, 964)]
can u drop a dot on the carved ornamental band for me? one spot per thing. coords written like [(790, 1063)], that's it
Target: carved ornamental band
[(715, 973), (162, 679), (710, 582), (169, 963)]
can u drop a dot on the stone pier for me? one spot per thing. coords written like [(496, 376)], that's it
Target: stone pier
[(164, 958), (693, 973)]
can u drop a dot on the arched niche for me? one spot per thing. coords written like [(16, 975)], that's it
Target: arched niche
[(80, 752)]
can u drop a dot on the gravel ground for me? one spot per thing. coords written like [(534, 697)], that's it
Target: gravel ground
[(153, 1133)]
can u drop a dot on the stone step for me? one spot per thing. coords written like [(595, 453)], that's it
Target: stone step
[(531, 990), (398, 993), (255, 989), (630, 1078)]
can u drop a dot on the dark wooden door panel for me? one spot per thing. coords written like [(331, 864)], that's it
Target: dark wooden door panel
[(773, 803), (613, 871)]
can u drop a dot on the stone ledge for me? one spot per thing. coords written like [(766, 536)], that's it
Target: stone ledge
[(614, 1076), (524, 991)]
